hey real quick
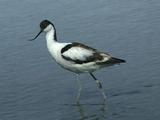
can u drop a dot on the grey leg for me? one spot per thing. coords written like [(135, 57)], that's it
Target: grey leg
[(80, 88), (99, 86)]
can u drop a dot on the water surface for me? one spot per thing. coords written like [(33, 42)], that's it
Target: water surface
[(34, 87)]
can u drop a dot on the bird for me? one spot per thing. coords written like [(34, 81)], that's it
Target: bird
[(76, 57)]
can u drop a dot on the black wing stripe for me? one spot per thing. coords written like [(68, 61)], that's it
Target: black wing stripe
[(75, 61), (67, 47), (95, 57), (91, 58), (74, 44)]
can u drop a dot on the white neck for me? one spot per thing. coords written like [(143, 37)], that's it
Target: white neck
[(50, 37)]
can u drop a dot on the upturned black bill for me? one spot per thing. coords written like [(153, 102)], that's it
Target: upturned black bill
[(36, 36)]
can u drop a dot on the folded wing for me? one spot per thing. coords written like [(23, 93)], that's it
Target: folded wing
[(80, 54)]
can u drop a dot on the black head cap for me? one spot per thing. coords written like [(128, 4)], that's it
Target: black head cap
[(44, 24)]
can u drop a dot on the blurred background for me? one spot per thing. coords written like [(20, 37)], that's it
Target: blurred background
[(34, 87)]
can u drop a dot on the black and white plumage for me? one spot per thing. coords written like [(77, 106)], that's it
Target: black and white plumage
[(76, 57), (86, 59)]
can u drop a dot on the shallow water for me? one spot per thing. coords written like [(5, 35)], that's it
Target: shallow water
[(34, 87)]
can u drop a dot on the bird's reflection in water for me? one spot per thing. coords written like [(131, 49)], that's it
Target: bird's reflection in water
[(97, 115)]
